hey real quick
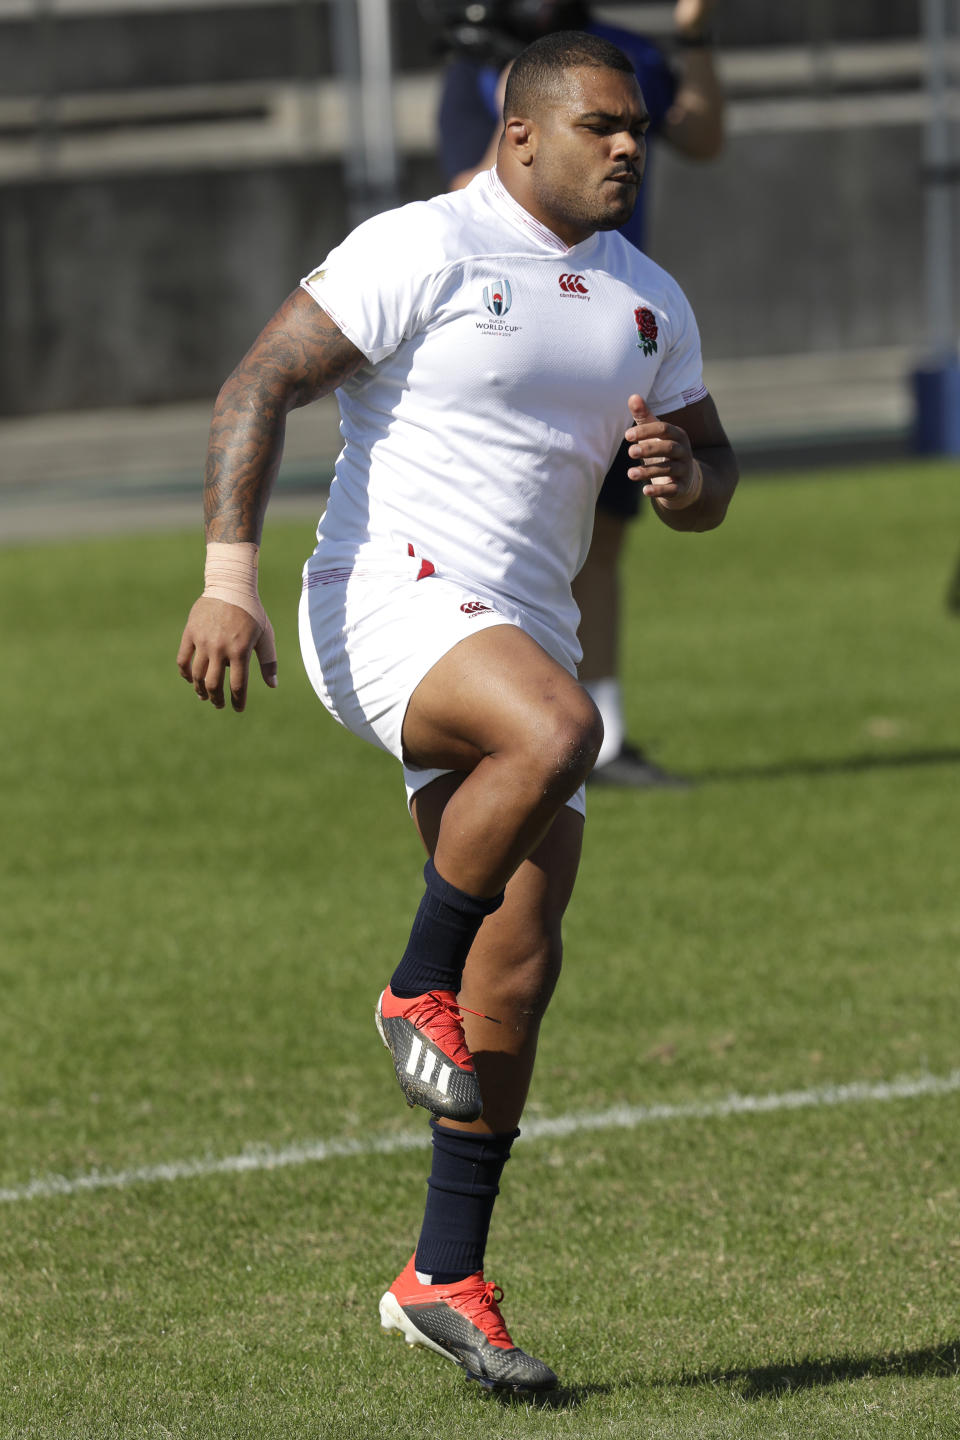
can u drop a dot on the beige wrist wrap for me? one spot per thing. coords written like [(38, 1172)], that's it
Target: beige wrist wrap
[(697, 490), (683, 502), (230, 574)]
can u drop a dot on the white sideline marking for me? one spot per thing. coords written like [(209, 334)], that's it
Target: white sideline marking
[(618, 1117)]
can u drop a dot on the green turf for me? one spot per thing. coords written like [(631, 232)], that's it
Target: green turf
[(199, 908)]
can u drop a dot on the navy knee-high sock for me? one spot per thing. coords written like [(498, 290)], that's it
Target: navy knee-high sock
[(462, 1188), (445, 927)]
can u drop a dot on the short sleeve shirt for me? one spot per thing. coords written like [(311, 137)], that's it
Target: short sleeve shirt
[(495, 397)]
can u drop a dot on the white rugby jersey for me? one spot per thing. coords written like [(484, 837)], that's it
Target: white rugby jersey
[(501, 359)]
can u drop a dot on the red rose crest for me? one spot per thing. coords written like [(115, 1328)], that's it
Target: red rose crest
[(646, 329)]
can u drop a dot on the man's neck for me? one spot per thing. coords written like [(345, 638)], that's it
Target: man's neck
[(516, 188)]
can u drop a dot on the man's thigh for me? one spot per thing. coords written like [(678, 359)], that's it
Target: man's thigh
[(368, 640), (487, 695)]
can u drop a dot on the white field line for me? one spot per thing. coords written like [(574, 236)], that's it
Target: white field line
[(618, 1117)]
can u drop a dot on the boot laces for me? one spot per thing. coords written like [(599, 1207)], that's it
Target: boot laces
[(445, 1020), (481, 1306)]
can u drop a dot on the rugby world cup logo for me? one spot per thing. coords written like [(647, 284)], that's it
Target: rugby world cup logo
[(497, 298)]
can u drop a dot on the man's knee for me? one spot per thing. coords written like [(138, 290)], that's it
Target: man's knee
[(570, 741)]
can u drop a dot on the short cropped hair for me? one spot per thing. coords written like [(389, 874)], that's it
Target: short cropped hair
[(537, 72)]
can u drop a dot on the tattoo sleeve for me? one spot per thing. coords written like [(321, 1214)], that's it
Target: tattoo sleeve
[(299, 356)]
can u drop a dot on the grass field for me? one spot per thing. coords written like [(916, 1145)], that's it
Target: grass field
[(199, 910)]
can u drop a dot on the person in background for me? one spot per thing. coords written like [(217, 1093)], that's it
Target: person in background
[(685, 101)]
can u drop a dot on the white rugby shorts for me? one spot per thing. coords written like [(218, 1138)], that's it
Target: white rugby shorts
[(368, 638)]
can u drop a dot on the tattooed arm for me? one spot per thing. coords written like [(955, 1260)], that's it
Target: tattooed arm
[(299, 356)]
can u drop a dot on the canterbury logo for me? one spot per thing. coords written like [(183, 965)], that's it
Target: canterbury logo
[(573, 284), (430, 1063), (473, 607)]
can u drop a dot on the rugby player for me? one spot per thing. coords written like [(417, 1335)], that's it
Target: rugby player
[(490, 349)]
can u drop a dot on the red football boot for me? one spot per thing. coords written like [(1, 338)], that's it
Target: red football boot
[(462, 1322), (425, 1037)]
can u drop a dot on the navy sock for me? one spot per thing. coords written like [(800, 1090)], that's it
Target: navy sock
[(446, 925), (462, 1188)]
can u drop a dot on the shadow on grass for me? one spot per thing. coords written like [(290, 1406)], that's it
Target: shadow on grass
[(758, 1382), (565, 1398), (846, 765)]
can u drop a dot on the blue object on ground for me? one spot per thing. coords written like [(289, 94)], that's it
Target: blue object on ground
[(936, 393)]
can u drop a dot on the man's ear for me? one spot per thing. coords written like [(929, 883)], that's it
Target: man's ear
[(520, 138)]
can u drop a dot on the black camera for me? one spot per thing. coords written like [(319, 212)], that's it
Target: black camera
[(494, 31)]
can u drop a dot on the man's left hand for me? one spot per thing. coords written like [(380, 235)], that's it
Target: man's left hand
[(666, 468)]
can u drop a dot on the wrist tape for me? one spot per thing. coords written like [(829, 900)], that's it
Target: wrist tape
[(230, 574), (697, 491), (683, 502)]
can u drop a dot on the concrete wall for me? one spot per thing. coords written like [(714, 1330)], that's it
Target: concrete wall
[(798, 242), (144, 289), (153, 47), (137, 291), (131, 290)]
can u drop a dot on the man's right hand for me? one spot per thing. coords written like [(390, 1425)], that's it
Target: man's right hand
[(219, 636), (691, 17)]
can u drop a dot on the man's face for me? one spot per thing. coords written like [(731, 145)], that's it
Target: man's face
[(590, 153)]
